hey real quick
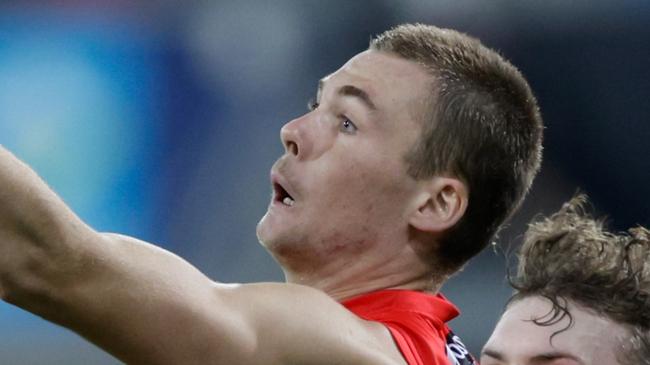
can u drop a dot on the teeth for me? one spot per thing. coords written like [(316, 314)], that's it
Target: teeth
[(287, 201)]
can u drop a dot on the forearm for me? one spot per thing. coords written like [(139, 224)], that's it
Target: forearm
[(38, 235)]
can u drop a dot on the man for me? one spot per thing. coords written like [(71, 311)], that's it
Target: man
[(413, 154), (581, 296)]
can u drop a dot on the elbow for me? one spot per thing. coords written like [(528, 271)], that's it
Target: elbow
[(37, 275), (19, 264), (26, 279), (31, 293)]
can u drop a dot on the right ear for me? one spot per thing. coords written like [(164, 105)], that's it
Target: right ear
[(441, 203)]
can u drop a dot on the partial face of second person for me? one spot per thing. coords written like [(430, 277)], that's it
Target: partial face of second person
[(517, 340), (344, 165)]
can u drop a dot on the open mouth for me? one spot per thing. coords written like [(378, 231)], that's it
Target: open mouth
[(282, 196)]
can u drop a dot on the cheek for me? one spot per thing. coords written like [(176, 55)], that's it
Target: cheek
[(369, 189)]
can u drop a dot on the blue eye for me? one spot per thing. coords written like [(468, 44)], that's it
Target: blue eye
[(347, 126)]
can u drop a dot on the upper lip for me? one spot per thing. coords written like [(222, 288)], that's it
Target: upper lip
[(281, 187)]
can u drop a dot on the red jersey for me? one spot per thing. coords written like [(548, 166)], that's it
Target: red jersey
[(417, 322)]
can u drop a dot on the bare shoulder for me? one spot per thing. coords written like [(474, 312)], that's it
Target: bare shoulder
[(307, 326)]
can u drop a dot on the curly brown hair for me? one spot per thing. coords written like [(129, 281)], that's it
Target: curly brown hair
[(482, 125), (571, 256)]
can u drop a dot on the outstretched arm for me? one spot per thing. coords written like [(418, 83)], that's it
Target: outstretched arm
[(147, 306)]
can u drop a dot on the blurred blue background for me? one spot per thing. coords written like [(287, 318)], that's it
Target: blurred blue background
[(161, 120)]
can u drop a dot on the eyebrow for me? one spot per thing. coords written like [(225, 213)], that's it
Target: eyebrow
[(537, 359), (493, 354), (349, 90), (554, 355)]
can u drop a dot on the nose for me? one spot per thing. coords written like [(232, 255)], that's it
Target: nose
[(301, 136), (291, 138), (307, 137)]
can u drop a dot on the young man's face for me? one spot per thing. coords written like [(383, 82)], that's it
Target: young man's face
[(590, 340), (344, 167)]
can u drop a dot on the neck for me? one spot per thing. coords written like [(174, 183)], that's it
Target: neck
[(349, 277)]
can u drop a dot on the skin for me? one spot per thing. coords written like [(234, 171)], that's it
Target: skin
[(358, 224), (516, 340), (345, 169)]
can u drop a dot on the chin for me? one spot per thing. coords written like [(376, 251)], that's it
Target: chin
[(268, 234), (262, 232), (273, 243), (283, 245)]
